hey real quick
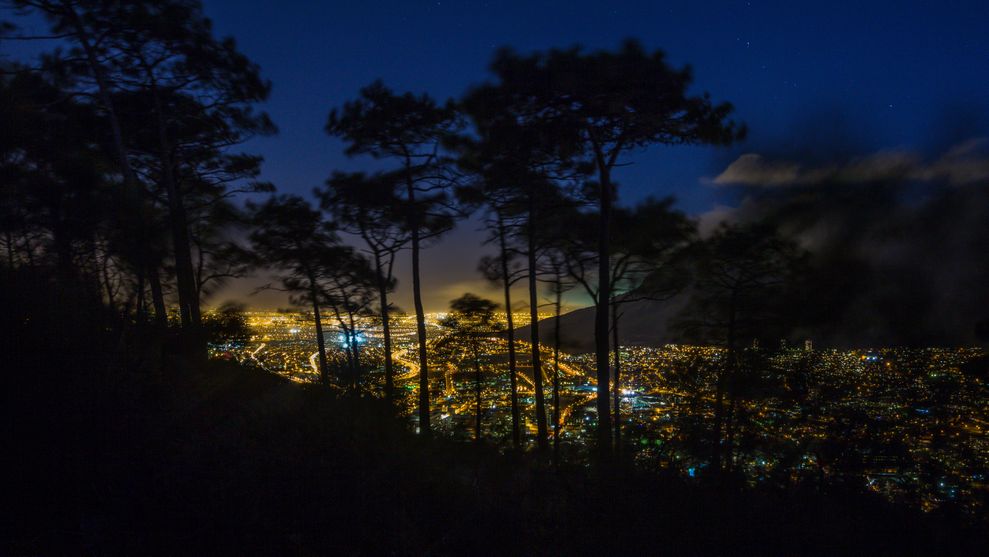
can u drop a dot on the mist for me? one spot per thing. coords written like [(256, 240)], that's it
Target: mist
[(898, 236)]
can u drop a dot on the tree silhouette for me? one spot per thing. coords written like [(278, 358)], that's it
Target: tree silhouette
[(470, 320), (492, 161), (370, 207), (645, 239), (517, 168), (541, 199), (743, 280), (159, 59), (227, 324), (53, 183), (410, 130), (505, 270), (219, 258), (291, 238), (603, 105), (559, 282), (349, 288)]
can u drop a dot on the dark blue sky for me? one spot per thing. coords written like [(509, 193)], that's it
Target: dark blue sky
[(879, 73), (888, 69)]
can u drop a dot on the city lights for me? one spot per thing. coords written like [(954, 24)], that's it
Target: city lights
[(900, 414)]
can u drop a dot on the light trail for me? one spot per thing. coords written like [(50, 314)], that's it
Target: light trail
[(565, 413), (253, 355)]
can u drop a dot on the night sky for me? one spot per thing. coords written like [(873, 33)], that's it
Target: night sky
[(887, 69), (884, 72)]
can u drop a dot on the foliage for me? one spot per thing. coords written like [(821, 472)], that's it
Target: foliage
[(226, 324)]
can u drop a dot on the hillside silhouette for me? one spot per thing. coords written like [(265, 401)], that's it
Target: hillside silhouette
[(643, 323), (115, 457)]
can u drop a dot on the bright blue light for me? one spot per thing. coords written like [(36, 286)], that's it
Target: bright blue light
[(692, 472), (359, 338)]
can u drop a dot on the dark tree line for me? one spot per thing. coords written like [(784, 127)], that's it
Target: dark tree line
[(592, 109), (125, 173), (162, 105)]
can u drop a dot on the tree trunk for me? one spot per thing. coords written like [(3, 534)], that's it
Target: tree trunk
[(719, 398), (348, 345), (184, 273), (512, 365), (10, 250), (140, 301), (357, 351), (731, 421), (157, 298), (351, 371), (324, 368), (601, 312), (537, 371), (111, 297), (103, 89), (556, 370), (351, 362), (385, 328), (477, 396), (730, 426), (424, 428), (64, 269), (618, 384), (183, 263)]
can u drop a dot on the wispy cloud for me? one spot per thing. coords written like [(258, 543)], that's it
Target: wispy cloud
[(966, 163)]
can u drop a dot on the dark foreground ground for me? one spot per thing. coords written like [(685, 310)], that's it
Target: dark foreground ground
[(104, 457)]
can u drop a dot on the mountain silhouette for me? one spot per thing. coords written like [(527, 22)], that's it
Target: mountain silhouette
[(642, 323)]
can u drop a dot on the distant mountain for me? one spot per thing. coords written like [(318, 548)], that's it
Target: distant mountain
[(642, 323)]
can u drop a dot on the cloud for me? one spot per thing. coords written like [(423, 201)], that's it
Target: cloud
[(893, 263), (752, 169), (708, 221), (963, 164)]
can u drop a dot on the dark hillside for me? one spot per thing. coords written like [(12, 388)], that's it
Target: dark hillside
[(643, 323), (227, 460)]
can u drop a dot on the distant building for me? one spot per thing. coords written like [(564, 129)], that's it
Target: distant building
[(808, 345)]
